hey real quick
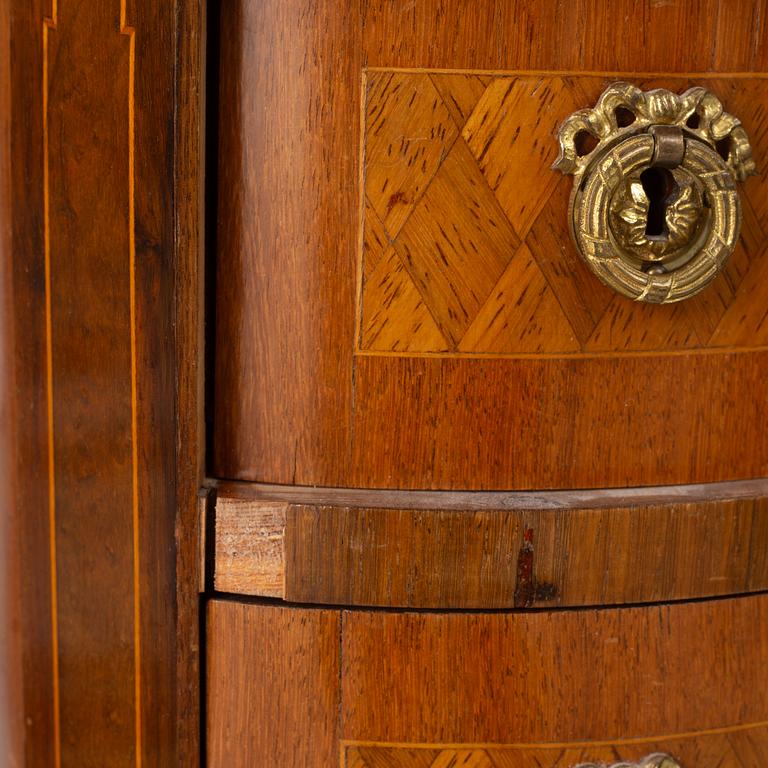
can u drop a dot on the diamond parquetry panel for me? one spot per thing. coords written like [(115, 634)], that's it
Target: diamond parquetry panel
[(465, 243)]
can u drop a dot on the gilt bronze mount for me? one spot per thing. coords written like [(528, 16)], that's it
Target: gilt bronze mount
[(654, 210)]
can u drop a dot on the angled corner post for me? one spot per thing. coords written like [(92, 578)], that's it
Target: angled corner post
[(11, 704), (99, 299)]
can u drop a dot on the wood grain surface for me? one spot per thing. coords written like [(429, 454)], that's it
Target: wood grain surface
[(272, 686), (97, 270), (546, 424), (584, 35), (189, 431), (32, 493), (548, 689), (92, 412), (393, 370), (490, 558), (249, 548), (282, 64)]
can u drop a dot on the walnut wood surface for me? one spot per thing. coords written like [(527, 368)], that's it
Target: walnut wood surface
[(97, 270), (189, 348), (272, 686), (92, 414), (32, 492), (11, 684), (548, 689), (489, 558), (558, 424), (554, 676), (393, 370), (306, 226), (625, 36)]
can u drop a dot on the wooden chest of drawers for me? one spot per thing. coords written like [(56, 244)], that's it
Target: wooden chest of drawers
[(328, 445)]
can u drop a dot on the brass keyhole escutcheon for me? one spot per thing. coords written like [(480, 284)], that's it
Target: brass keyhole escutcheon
[(662, 191), (654, 211)]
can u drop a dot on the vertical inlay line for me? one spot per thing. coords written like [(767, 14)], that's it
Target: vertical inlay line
[(361, 213), (130, 32), (48, 24)]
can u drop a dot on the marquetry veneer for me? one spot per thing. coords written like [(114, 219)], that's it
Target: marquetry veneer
[(356, 381)]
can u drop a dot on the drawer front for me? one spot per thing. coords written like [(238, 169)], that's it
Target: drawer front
[(399, 302), (399, 310), (303, 687)]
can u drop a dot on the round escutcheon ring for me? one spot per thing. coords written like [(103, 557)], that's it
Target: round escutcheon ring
[(590, 204)]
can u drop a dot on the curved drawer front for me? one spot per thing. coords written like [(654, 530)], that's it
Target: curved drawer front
[(486, 551), (740, 746), (399, 303), (293, 686)]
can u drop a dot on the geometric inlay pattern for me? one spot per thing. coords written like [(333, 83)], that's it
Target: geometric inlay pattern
[(465, 242), (738, 747)]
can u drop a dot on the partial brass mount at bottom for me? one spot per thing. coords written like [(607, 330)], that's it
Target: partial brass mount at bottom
[(652, 761)]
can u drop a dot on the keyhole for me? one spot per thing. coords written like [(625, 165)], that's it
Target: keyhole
[(659, 186)]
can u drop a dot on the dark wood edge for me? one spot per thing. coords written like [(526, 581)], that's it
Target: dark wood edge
[(189, 238), (480, 500), (11, 690), (206, 510)]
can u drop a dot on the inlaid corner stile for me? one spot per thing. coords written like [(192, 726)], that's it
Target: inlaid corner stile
[(66, 21), (102, 96)]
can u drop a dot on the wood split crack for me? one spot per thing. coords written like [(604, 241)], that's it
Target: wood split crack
[(527, 591)]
